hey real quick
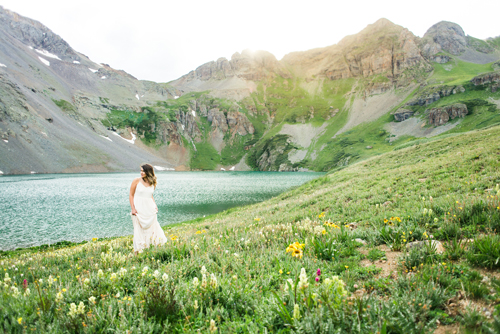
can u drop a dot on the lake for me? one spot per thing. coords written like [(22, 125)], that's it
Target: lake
[(47, 208)]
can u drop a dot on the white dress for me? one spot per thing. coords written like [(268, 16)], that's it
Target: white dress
[(147, 230)]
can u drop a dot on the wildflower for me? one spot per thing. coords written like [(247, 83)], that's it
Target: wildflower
[(296, 312), (59, 297), (94, 239), (51, 280), (100, 273), (72, 310), (203, 270), (257, 219), (303, 279), (235, 277), (213, 280), (27, 292), (195, 305), (86, 281), (318, 273), (425, 211), (317, 278), (281, 271), (15, 291), (436, 220), (288, 281), (156, 274), (204, 281), (7, 279), (117, 295), (164, 277), (430, 212), (195, 281), (92, 299), (19, 320), (174, 237), (113, 276), (122, 272), (25, 284), (212, 326), (346, 267)]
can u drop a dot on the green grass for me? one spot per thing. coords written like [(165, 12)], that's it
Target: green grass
[(457, 72), (254, 285), (205, 157), (65, 106)]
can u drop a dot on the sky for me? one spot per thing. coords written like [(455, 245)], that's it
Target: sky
[(163, 40)]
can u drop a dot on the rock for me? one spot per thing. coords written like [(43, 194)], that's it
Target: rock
[(486, 78), (403, 114), (50, 120), (218, 120), (239, 123), (444, 36), (369, 147), (440, 59), (361, 241), (433, 94), (440, 116), (419, 244)]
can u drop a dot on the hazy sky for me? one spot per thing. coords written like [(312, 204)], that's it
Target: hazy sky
[(163, 40)]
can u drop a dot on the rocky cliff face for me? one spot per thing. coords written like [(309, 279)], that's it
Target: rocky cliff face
[(248, 66), (486, 78), (433, 94), (381, 48), (444, 36), (440, 116)]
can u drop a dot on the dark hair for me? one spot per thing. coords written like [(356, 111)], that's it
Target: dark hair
[(150, 174)]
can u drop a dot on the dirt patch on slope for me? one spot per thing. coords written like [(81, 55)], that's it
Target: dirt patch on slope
[(371, 108), (415, 127), (302, 134)]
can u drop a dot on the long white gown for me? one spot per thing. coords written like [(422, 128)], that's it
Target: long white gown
[(147, 230)]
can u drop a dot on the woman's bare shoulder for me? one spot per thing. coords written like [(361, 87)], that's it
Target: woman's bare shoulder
[(136, 180)]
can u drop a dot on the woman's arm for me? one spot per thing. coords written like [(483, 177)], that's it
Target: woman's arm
[(131, 195)]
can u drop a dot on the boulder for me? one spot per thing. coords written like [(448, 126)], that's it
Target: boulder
[(419, 244), (403, 114), (440, 116)]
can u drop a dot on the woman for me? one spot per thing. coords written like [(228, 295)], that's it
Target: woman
[(147, 230)]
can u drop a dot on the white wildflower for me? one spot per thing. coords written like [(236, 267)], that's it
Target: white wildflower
[(212, 326), (203, 270), (296, 312), (92, 299), (303, 279), (196, 282), (156, 274), (213, 281), (164, 277)]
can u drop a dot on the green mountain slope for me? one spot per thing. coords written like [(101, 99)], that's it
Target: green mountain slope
[(333, 254)]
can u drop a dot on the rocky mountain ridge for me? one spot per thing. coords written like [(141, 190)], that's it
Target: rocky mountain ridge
[(62, 112)]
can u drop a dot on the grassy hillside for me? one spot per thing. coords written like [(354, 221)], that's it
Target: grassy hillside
[(329, 256)]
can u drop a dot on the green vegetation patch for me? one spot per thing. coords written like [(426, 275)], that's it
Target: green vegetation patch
[(205, 157)]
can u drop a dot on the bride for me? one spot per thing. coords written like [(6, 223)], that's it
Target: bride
[(147, 230)]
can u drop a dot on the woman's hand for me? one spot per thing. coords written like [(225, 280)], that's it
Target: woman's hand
[(134, 212)]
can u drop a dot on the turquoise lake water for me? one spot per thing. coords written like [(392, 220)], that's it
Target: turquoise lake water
[(45, 209)]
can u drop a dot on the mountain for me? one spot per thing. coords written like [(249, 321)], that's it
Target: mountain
[(312, 110)]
